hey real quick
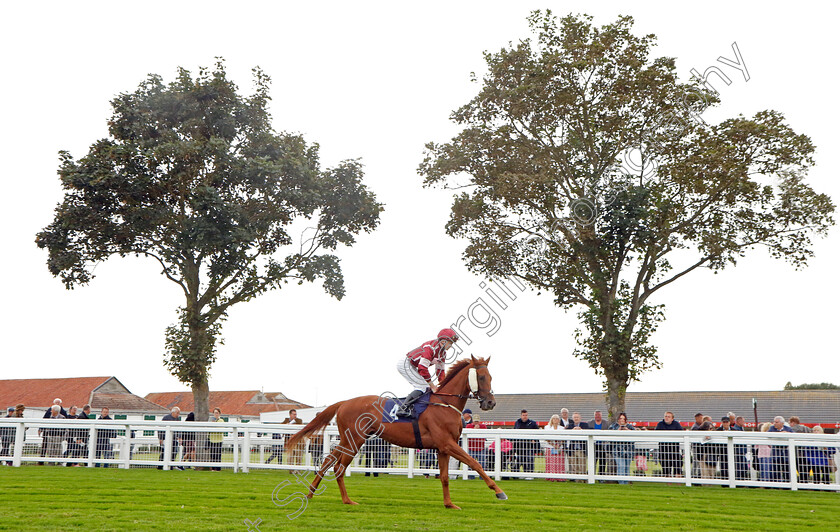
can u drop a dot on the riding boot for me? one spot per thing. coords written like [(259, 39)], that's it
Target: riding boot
[(406, 409)]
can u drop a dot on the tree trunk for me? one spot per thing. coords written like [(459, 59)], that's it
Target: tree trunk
[(201, 398), (616, 389)]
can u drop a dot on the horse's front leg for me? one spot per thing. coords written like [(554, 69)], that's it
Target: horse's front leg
[(443, 463), (460, 454), (340, 469)]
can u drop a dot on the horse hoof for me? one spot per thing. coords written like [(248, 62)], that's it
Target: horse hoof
[(501, 495)]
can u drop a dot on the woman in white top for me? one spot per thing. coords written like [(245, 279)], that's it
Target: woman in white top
[(554, 456)]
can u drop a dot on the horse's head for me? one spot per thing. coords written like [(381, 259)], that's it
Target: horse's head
[(480, 383)]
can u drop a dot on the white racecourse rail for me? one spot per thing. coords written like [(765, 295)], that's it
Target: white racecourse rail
[(784, 460)]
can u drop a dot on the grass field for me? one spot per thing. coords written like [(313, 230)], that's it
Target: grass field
[(56, 498)]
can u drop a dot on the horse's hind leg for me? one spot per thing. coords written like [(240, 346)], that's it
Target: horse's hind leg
[(339, 477), (328, 461)]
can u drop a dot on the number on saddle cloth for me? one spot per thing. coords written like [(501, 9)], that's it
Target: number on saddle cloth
[(389, 412)]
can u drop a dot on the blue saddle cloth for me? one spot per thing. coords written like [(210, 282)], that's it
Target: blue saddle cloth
[(389, 413)]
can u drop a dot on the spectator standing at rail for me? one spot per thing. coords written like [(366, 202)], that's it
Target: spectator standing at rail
[(554, 454), (296, 454), (48, 415), (696, 448), (603, 460), (802, 466), (74, 438), (19, 408), (188, 440), (427, 458), (764, 454), (173, 415), (669, 452), (722, 449), (84, 434), (564, 418), (818, 458), (525, 449), (704, 454), (215, 439), (475, 446), (368, 455), (376, 454), (103, 438), (7, 434), (505, 451), (698, 421), (742, 468), (277, 449), (781, 467), (577, 448), (623, 451), (53, 435)]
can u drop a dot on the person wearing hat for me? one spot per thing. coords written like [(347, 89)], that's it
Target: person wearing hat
[(466, 417), (414, 367)]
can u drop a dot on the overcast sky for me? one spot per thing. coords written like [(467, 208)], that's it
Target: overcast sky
[(376, 82)]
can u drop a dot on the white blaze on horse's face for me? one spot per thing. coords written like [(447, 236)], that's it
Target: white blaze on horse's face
[(473, 380)]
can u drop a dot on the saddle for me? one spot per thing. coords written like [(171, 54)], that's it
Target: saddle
[(389, 413)]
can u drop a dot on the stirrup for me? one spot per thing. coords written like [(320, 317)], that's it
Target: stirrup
[(406, 409)]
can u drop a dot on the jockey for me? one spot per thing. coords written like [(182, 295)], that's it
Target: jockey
[(415, 367)]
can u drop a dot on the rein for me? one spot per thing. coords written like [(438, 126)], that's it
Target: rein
[(459, 396), (455, 408)]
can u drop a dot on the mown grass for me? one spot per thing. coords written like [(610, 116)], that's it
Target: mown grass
[(56, 498)]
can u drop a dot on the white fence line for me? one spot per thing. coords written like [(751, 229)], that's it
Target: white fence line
[(793, 461)]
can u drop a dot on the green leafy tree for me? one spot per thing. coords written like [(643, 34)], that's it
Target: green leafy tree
[(813, 386), (193, 176), (546, 193)]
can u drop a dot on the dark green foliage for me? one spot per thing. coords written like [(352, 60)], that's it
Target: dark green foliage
[(194, 176), (547, 197), (814, 386)]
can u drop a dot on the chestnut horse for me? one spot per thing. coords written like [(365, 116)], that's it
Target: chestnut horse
[(439, 426)]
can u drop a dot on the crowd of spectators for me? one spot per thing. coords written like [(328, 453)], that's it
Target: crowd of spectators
[(627, 458), (69, 443), (623, 458)]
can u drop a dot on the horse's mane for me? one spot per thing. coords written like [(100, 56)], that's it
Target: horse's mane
[(455, 369)]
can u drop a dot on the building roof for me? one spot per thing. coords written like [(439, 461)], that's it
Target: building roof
[(95, 391), (125, 402), (812, 406), (236, 403)]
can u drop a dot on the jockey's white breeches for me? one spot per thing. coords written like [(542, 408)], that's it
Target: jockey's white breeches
[(410, 373)]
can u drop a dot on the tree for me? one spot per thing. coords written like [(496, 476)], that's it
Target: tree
[(814, 386), (193, 176), (546, 194)]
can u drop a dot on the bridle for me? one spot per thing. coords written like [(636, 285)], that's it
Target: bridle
[(474, 390)]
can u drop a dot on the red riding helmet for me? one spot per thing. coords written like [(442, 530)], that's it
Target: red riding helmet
[(448, 334)]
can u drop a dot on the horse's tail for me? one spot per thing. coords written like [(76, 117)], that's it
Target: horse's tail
[(316, 425)]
